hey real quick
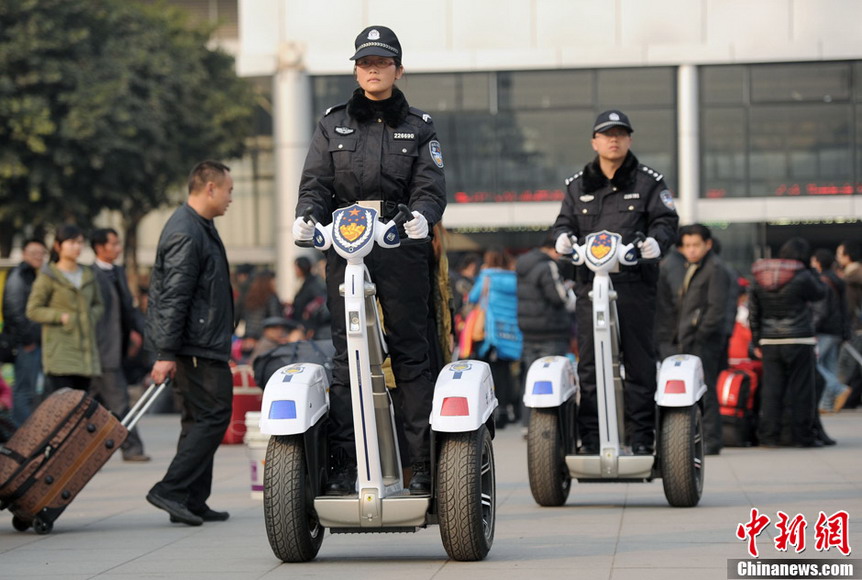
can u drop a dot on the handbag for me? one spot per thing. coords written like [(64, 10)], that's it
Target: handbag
[(474, 326)]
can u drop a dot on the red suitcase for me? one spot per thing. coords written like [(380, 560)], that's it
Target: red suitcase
[(247, 396), (736, 389), (53, 455)]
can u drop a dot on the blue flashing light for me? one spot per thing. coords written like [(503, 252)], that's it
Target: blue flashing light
[(543, 388), (282, 410)]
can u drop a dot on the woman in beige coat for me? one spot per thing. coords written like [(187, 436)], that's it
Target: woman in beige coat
[(67, 302)]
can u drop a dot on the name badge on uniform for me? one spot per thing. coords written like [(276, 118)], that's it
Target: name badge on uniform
[(344, 130), (587, 197), (404, 136)]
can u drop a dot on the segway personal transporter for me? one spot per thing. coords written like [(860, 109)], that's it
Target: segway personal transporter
[(551, 394), (294, 411)]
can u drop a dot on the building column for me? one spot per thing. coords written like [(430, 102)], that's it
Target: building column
[(689, 144), (292, 118)]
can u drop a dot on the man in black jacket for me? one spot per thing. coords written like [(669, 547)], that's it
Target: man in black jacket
[(615, 192), (698, 328), (189, 327), (544, 306), (782, 330), (114, 332), (27, 335)]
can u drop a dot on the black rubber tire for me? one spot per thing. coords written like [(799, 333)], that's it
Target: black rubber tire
[(550, 481), (466, 494), (292, 528), (19, 524), (42, 527), (681, 455)]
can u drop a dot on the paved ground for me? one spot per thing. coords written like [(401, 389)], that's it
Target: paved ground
[(606, 531)]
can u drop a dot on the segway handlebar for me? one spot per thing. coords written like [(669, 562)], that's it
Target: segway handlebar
[(403, 216), (307, 216)]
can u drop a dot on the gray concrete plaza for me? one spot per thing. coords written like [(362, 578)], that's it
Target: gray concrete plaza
[(605, 531)]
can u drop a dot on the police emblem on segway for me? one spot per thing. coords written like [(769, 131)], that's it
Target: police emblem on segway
[(352, 227), (601, 246)]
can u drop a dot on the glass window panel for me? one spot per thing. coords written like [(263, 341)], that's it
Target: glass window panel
[(824, 82), (544, 89), (621, 88), (329, 91), (654, 141), (794, 146), (447, 92), (722, 85), (723, 153)]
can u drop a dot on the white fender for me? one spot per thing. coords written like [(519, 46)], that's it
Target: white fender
[(680, 381), (551, 381), (295, 398), (463, 397)]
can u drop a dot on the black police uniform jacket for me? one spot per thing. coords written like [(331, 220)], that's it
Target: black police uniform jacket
[(367, 150), (190, 300), (635, 200)]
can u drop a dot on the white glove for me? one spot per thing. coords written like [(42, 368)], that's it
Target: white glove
[(565, 244), (303, 230), (417, 228), (649, 249)]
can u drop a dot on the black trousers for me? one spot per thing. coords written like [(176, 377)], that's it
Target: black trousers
[(787, 400), (57, 382), (636, 306), (205, 387), (402, 279)]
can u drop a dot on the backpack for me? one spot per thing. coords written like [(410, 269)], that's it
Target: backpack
[(304, 351)]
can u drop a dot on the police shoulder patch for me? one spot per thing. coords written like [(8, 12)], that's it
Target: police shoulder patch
[(667, 199), (436, 153)]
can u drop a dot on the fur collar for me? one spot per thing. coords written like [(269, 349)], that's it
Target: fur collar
[(394, 109), (594, 179)]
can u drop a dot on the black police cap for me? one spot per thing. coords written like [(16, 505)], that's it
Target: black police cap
[(377, 41), (612, 118)]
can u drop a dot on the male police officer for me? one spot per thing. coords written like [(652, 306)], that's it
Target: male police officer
[(616, 193)]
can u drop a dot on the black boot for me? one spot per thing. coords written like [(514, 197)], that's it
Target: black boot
[(342, 474), (420, 483)]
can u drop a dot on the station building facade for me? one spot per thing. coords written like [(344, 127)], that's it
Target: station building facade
[(752, 110)]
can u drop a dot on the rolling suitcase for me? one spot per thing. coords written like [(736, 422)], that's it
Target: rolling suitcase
[(53, 455), (736, 388)]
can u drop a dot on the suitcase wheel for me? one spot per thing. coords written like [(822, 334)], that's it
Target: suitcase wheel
[(20, 524), (42, 527)]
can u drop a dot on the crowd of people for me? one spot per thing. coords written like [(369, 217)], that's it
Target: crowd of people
[(81, 326)]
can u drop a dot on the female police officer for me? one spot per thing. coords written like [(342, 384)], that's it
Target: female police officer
[(377, 149)]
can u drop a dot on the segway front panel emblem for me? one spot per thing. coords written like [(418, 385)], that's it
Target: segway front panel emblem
[(353, 227), (601, 246)]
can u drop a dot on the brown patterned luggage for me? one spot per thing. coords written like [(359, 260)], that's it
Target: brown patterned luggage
[(53, 455)]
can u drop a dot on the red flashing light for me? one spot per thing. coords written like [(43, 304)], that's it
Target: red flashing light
[(674, 387), (454, 407)]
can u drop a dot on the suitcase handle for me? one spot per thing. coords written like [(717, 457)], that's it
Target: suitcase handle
[(145, 402)]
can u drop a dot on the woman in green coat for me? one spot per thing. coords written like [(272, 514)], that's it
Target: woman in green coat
[(67, 301)]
